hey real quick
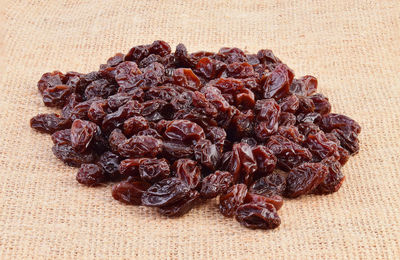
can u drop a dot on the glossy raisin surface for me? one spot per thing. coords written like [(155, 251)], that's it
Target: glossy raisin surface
[(165, 193), (215, 184), (304, 179), (255, 216), (174, 128), (130, 191), (90, 175), (232, 199)]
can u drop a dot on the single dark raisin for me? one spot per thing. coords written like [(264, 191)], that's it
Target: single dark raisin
[(232, 199), (270, 185), (153, 170), (130, 191), (90, 175), (215, 184), (165, 193), (304, 179), (256, 217), (49, 123), (182, 206)]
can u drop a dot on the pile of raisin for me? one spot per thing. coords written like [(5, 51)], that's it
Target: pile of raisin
[(175, 129)]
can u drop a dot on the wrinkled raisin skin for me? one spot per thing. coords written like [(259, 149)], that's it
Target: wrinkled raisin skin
[(129, 192), (90, 175), (232, 199), (304, 179), (256, 217), (165, 193)]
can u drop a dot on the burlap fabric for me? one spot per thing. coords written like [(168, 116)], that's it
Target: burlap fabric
[(352, 47)]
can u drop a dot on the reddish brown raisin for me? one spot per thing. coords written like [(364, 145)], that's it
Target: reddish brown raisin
[(90, 175), (256, 217), (232, 199), (304, 179)]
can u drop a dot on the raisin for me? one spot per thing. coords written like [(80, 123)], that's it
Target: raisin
[(304, 179), (292, 133), (262, 200), (232, 199), (117, 100), (210, 68), (181, 207), (287, 119), (49, 80), (184, 131), (176, 150), (270, 185), (187, 79), (165, 193), (130, 167), (341, 122), (288, 153), (49, 123), (109, 162), (61, 137), (268, 117), (333, 180), (277, 82), (137, 53), (69, 156), (240, 70), (153, 170), (100, 88), (256, 217), (289, 104), (321, 103), (80, 110), (207, 154), (90, 175), (305, 86), (134, 125), (56, 96), (130, 191), (82, 133), (230, 55), (177, 128), (242, 163), (97, 111), (140, 146), (115, 139), (348, 140), (188, 171), (215, 184), (320, 146), (266, 161), (117, 118)]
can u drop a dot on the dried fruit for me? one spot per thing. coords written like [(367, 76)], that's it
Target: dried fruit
[(304, 179), (182, 206), (153, 170), (232, 199), (82, 133), (273, 184), (130, 191), (165, 193), (140, 146), (174, 128), (215, 184), (256, 217), (90, 175), (187, 171)]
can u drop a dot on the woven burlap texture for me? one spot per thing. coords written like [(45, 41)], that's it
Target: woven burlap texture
[(352, 47)]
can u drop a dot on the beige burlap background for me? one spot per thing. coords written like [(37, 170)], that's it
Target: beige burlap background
[(353, 47)]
